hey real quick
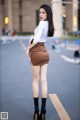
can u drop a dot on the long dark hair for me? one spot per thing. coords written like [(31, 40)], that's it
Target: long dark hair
[(48, 10)]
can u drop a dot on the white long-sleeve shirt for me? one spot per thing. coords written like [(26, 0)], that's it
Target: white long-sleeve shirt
[(41, 32)]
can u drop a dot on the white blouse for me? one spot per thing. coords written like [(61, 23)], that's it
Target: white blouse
[(41, 32)]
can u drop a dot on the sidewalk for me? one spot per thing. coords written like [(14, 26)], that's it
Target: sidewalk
[(13, 38)]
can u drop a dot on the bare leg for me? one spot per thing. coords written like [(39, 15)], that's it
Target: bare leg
[(35, 86), (35, 82), (43, 74)]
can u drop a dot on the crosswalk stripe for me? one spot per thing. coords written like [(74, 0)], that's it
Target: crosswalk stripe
[(59, 107)]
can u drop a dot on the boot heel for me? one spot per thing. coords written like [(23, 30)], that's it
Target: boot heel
[(42, 116), (36, 116)]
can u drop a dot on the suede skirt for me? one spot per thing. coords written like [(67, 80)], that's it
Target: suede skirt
[(39, 55)]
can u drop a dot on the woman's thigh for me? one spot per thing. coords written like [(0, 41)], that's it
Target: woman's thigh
[(36, 72), (43, 72)]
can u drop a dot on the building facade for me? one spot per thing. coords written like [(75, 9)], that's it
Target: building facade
[(23, 15)]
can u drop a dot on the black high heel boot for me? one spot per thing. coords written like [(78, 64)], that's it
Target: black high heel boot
[(42, 116), (36, 116), (36, 107), (43, 110)]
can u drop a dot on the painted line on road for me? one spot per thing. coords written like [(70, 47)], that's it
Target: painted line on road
[(22, 44), (71, 60), (59, 107)]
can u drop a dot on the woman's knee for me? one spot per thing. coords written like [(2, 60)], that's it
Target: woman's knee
[(36, 78), (43, 80), (36, 73)]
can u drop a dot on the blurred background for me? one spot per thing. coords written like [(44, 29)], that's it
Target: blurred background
[(22, 16), (18, 19)]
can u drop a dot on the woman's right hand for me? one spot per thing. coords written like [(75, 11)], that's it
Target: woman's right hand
[(27, 51)]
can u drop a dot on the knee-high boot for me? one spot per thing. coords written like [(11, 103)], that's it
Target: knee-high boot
[(43, 109), (36, 109)]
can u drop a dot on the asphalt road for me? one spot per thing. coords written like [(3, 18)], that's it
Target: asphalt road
[(16, 82)]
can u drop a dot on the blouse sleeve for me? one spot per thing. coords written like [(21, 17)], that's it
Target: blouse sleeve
[(38, 34)]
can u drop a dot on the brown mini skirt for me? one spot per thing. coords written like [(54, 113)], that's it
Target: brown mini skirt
[(39, 54)]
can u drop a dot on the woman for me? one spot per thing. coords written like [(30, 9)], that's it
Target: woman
[(39, 57)]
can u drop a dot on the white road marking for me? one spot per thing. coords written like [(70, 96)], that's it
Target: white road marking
[(23, 46), (59, 107), (71, 60)]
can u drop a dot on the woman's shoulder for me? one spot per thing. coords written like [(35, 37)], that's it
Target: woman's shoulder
[(43, 22)]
